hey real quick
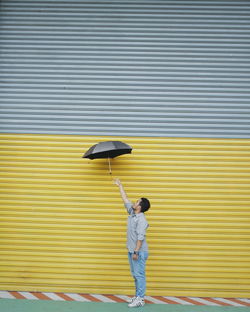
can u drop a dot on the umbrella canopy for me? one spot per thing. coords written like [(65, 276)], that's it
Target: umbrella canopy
[(108, 149)]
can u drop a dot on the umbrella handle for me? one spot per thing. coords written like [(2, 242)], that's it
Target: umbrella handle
[(110, 171)]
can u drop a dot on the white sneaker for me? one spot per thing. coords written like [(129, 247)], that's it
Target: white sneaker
[(131, 300), (137, 302)]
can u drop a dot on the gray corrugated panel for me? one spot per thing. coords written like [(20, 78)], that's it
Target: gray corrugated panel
[(143, 68)]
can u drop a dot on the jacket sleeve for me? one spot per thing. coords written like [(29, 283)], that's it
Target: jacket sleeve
[(129, 208), (141, 228)]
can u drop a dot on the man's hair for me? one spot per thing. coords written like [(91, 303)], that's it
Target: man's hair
[(145, 204)]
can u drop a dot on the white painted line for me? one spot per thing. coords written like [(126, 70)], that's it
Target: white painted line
[(244, 300), (123, 297), (229, 302), (154, 300), (178, 300), (102, 298), (6, 295), (53, 296), (77, 297), (204, 301), (28, 295)]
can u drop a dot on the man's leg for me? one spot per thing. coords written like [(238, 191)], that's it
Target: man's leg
[(131, 263), (139, 273)]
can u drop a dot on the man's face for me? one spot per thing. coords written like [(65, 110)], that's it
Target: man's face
[(136, 205)]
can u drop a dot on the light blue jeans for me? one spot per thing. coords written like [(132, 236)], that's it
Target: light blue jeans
[(137, 268)]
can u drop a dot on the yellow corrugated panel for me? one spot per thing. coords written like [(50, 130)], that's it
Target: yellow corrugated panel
[(63, 223)]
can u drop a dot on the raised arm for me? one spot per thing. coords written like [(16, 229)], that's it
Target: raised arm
[(122, 191)]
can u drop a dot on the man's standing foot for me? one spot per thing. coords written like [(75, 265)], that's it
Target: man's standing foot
[(137, 302)]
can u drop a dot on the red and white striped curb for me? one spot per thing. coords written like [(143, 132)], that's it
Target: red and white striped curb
[(208, 301)]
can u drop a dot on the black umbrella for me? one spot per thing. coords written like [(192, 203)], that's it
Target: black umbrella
[(108, 149)]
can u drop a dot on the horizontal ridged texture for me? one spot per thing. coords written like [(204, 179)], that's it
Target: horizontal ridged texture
[(133, 68), (63, 224)]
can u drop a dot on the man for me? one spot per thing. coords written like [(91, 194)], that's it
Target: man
[(136, 243)]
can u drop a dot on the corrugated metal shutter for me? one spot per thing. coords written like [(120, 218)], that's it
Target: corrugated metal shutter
[(63, 225), (99, 68), (144, 71)]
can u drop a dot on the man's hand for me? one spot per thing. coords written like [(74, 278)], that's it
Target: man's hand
[(135, 257), (117, 182)]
